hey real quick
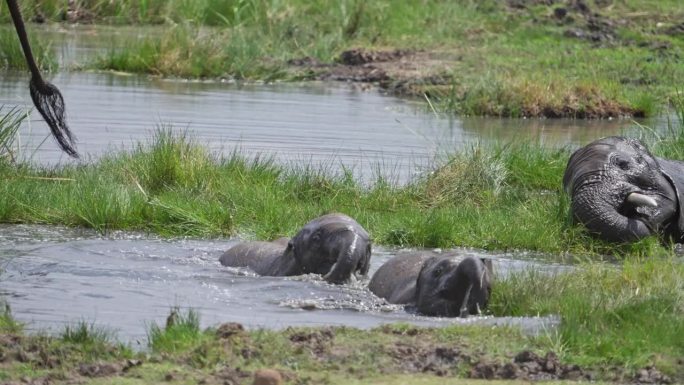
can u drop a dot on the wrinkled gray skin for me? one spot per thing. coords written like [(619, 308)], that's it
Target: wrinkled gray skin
[(334, 246), (437, 285), (622, 193)]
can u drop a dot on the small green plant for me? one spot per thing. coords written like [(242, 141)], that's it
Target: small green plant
[(181, 331), (677, 101), (8, 324), (10, 121), (85, 333)]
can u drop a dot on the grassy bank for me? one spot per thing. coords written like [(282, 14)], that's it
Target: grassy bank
[(515, 58), (174, 186), (180, 352)]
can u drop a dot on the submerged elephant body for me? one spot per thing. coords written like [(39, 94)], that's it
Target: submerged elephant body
[(438, 285), (334, 246), (262, 257), (622, 193)]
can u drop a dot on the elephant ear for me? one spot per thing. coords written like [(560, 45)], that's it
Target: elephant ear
[(674, 172), (588, 159)]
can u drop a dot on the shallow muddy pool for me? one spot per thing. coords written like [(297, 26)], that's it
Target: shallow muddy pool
[(329, 125), (53, 276)]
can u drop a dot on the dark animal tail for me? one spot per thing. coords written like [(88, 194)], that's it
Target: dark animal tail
[(46, 97)]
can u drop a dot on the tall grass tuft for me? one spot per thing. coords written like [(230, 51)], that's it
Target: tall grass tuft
[(10, 121), (670, 142), (182, 331), (100, 203), (171, 160), (12, 57), (677, 101), (85, 333), (94, 342), (187, 50), (8, 324)]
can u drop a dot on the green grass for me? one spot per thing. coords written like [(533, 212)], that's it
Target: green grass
[(611, 315), (12, 57), (8, 324), (495, 59), (174, 186), (181, 332), (85, 333), (10, 121)]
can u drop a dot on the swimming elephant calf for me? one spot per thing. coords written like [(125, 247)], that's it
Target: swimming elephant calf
[(622, 193), (334, 246), (438, 285)]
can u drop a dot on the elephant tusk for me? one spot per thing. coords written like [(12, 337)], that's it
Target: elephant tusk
[(641, 200), (463, 311)]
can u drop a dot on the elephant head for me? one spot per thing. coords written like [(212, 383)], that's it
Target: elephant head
[(448, 288), (334, 246), (622, 193)]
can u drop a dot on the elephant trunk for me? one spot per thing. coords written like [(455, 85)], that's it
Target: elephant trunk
[(604, 218), (351, 259), (470, 287)]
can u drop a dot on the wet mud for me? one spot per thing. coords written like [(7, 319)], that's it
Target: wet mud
[(530, 366), (397, 72)]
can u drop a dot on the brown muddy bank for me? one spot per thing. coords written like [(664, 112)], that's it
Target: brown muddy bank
[(230, 354)]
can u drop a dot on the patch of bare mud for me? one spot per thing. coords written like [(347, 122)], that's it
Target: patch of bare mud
[(530, 366), (438, 360), (397, 71), (318, 341)]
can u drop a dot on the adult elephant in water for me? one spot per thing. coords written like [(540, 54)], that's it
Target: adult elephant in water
[(46, 97), (334, 246), (622, 193), (443, 285)]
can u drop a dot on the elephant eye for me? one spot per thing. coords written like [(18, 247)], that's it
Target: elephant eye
[(623, 164), (437, 272)]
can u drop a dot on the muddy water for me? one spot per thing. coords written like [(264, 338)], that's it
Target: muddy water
[(53, 276)]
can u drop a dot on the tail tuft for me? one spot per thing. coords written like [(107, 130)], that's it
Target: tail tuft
[(50, 103)]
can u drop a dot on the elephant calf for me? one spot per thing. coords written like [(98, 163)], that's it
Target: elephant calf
[(622, 193), (438, 285), (334, 246)]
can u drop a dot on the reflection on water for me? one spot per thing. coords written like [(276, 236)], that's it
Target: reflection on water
[(53, 276), (549, 132)]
